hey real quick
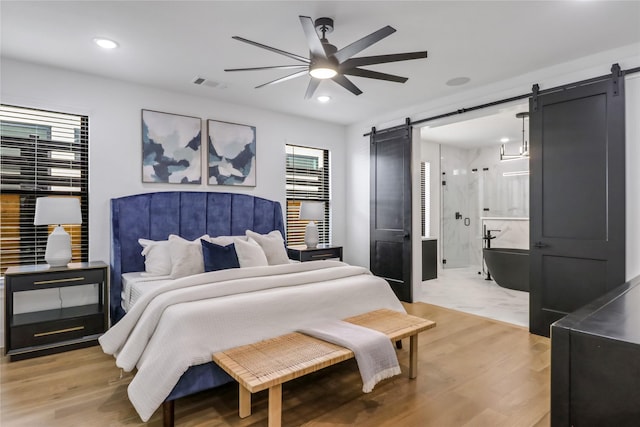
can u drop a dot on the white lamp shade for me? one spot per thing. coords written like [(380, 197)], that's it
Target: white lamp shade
[(312, 211), (57, 210)]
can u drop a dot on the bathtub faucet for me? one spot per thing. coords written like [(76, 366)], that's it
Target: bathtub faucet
[(487, 238), (487, 235)]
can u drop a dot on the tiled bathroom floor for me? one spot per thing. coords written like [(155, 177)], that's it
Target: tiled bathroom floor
[(463, 289)]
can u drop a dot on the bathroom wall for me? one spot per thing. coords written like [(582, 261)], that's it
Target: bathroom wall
[(479, 185), (498, 189)]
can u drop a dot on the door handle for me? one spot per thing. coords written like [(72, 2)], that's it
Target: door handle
[(540, 245), (406, 235)]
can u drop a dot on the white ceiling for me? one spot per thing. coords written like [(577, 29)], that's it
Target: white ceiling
[(166, 44)]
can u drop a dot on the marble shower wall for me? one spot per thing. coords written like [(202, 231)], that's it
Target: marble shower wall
[(480, 185)]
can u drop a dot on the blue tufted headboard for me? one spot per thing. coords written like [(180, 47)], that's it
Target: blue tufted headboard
[(188, 214)]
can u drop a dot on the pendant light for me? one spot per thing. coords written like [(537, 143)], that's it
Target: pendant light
[(524, 147)]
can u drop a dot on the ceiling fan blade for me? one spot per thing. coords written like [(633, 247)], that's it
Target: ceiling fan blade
[(359, 45), (313, 85), (275, 67), (374, 75), (273, 49), (381, 59), (285, 78), (347, 84), (315, 45)]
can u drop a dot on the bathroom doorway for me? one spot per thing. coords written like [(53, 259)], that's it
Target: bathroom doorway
[(484, 185)]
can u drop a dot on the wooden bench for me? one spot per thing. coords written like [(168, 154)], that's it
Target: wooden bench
[(270, 363)]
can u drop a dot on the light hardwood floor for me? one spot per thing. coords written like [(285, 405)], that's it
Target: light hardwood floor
[(471, 372)]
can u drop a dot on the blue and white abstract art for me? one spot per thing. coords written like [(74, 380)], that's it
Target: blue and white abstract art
[(171, 148), (232, 154)]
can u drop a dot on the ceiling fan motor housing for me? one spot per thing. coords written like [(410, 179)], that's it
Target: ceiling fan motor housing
[(324, 25)]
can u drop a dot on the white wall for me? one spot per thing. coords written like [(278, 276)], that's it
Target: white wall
[(632, 169), (357, 241)]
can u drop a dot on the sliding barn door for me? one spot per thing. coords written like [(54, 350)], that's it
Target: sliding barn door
[(577, 198), (390, 223)]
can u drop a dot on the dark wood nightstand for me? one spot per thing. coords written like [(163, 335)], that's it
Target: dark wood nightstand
[(46, 331), (302, 253)]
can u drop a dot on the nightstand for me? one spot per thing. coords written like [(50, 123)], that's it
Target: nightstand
[(37, 331), (302, 253)]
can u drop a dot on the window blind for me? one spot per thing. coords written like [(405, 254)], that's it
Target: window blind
[(307, 178), (42, 153), (425, 197)]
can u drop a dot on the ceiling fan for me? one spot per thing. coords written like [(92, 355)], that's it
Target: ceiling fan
[(328, 62)]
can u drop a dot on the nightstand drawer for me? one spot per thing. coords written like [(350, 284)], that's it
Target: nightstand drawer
[(302, 253), (319, 254), (28, 282), (43, 333)]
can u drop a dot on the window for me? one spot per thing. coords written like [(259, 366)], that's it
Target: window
[(307, 179), (42, 153), (425, 197)]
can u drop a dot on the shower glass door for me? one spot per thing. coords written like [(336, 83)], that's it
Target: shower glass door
[(455, 208)]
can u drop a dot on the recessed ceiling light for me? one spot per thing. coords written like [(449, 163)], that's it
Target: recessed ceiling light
[(503, 140), (324, 98), (105, 43), (458, 81)]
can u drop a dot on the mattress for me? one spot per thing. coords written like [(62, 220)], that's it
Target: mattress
[(136, 284)]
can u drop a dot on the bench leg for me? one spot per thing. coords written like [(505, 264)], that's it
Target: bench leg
[(413, 356), (245, 402), (275, 406)]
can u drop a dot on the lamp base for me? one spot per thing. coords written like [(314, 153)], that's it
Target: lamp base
[(58, 253), (311, 237)]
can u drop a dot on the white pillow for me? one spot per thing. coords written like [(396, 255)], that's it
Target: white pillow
[(250, 254), (273, 246), (157, 258), (186, 256), (225, 240)]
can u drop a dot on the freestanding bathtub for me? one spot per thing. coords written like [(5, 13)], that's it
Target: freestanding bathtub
[(508, 267)]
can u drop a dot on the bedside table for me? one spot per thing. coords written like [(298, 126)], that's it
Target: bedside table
[(46, 331), (302, 253)]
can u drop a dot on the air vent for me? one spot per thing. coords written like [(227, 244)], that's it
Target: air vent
[(202, 81)]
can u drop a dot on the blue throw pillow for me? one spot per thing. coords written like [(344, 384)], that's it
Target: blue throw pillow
[(218, 257)]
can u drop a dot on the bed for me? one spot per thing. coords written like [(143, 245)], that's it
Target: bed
[(326, 288)]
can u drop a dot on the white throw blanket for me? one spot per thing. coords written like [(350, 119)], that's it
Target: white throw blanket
[(182, 323), (373, 350)]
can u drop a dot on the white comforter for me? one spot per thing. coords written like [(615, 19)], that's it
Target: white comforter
[(182, 323)]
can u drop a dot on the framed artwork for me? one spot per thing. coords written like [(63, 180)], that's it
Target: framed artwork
[(171, 148), (232, 154)]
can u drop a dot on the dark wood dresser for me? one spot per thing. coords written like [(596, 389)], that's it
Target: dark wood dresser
[(595, 362)]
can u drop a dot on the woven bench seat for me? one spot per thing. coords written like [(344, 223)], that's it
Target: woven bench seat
[(270, 363)]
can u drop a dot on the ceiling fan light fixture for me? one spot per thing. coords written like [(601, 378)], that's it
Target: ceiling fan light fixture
[(322, 72), (324, 98)]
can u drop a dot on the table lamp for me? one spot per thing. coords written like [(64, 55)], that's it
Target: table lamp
[(311, 211), (58, 211)]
